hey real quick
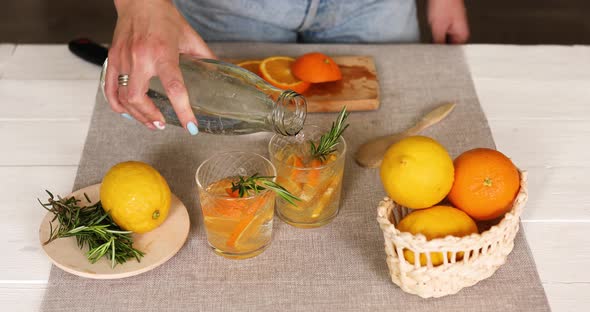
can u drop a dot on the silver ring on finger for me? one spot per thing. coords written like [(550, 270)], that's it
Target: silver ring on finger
[(123, 80)]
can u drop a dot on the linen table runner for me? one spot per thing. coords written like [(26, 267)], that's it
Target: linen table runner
[(339, 267)]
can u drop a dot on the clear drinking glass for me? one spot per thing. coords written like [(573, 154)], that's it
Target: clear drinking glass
[(318, 183), (237, 227)]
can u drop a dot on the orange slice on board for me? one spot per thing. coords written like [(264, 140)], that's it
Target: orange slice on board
[(277, 71), (253, 66), (316, 67)]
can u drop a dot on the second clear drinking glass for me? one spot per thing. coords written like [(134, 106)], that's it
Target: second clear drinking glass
[(317, 182), (237, 227)]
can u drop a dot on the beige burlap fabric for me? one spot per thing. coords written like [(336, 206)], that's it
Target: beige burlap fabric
[(339, 267)]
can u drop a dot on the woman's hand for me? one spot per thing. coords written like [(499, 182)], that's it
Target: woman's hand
[(148, 38), (448, 18)]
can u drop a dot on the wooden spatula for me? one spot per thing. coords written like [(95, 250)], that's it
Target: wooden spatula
[(371, 154)]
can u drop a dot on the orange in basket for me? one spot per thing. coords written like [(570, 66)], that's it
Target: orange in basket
[(486, 183)]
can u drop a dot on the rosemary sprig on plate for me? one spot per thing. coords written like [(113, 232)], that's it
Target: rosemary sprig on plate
[(92, 227), (329, 140), (256, 184)]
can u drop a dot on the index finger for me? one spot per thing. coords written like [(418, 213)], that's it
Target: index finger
[(137, 97), (173, 83)]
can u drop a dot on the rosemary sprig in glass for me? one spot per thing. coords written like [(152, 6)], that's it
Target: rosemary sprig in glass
[(329, 140), (92, 227), (256, 184)]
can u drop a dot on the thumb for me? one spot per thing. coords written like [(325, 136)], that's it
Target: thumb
[(191, 43)]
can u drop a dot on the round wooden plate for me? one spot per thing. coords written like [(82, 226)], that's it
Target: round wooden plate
[(158, 245)]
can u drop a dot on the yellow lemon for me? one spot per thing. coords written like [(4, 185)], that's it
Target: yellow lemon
[(136, 196), (436, 222), (417, 172)]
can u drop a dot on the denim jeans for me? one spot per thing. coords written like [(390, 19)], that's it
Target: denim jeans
[(313, 21)]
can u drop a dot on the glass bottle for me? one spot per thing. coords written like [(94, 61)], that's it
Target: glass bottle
[(227, 99)]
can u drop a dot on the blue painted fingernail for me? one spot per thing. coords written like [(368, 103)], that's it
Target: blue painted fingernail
[(125, 115), (192, 128)]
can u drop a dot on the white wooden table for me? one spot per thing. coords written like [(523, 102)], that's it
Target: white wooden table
[(537, 99)]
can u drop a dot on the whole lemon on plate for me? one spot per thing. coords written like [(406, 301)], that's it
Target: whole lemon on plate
[(136, 196), (417, 172), (436, 222)]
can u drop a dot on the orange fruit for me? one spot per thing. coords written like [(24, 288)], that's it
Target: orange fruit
[(486, 183), (316, 67), (253, 66), (277, 71)]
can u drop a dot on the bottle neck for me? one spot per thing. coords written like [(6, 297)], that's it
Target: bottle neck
[(289, 113)]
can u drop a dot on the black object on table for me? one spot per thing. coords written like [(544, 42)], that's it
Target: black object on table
[(88, 50)]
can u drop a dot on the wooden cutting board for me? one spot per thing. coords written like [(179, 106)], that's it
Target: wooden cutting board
[(358, 90)]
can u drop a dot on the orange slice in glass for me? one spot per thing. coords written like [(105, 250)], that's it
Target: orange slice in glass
[(247, 219), (277, 71)]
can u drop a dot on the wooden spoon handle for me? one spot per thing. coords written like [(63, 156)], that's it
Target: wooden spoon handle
[(371, 153), (431, 118)]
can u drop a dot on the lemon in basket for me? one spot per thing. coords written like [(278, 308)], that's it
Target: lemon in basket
[(417, 172), (436, 222), (136, 196)]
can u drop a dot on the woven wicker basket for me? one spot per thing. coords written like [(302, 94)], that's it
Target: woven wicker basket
[(483, 253)]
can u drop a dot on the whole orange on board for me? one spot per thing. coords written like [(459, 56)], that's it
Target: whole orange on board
[(316, 67), (277, 71), (486, 183)]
